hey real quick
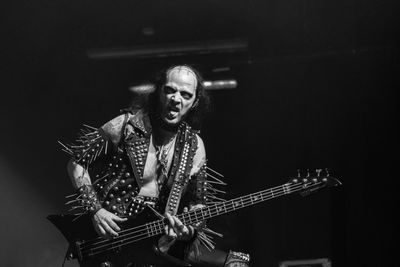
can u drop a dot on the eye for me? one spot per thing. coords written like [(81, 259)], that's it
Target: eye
[(186, 95), (169, 90)]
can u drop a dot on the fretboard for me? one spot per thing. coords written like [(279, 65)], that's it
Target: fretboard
[(221, 208)]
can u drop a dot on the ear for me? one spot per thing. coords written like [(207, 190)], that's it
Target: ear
[(195, 103)]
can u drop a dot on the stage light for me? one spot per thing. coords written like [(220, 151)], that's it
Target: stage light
[(171, 49), (208, 85), (220, 84)]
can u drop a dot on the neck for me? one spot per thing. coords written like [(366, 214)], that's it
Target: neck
[(162, 136), (162, 132)]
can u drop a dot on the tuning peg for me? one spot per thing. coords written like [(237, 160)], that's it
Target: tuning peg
[(305, 180), (325, 179), (327, 172), (296, 179), (318, 174)]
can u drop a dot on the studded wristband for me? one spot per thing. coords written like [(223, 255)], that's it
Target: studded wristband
[(88, 199), (237, 259)]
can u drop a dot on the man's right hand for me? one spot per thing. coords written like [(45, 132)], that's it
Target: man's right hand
[(105, 223)]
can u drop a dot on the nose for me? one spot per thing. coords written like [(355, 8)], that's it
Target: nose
[(176, 98)]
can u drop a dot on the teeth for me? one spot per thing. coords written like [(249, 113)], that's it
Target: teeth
[(172, 113)]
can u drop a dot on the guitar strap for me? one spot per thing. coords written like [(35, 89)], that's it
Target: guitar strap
[(137, 133), (182, 164), (137, 139)]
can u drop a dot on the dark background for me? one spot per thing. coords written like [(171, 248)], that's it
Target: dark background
[(317, 87)]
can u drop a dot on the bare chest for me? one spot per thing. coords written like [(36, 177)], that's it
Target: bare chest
[(158, 160)]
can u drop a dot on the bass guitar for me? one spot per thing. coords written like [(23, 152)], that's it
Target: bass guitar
[(137, 238)]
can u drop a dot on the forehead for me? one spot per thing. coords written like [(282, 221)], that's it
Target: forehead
[(182, 76)]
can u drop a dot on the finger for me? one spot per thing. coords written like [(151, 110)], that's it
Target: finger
[(113, 225), (197, 206), (171, 233), (100, 230), (108, 229), (191, 230), (118, 219), (185, 230), (170, 219), (178, 223), (166, 229), (185, 209), (184, 234), (181, 230)]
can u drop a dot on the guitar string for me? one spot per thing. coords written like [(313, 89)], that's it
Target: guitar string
[(160, 230), (155, 226), (159, 225), (245, 201), (131, 230), (137, 229), (101, 240), (213, 210)]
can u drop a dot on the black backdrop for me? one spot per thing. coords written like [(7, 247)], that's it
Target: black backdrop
[(317, 88)]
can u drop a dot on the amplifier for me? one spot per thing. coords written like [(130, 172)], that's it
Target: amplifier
[(323, 262)]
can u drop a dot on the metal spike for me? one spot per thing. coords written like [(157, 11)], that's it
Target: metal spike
[(216, 190), (65, 147), (68, 152), (75, 207), (208, 230), (88, 126), (206, 242), (214, 182), (217, 173), (215, 178), (71, 201), (215, 197), (80, 215)]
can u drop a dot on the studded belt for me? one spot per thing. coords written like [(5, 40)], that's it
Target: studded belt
[(139, 203), (146, 199)]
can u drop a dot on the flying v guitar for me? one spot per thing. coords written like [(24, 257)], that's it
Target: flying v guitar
[(139, 235)]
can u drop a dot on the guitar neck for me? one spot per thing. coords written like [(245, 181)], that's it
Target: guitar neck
[(221, 208), (153, 228)]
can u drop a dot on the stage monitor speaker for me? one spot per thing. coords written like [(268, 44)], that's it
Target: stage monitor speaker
[(323, 262)]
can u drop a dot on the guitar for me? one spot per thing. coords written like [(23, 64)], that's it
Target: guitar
[(136, 240)]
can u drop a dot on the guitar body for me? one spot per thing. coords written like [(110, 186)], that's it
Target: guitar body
[(77, 231)]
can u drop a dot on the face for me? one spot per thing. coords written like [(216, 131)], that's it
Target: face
[(178, 94)]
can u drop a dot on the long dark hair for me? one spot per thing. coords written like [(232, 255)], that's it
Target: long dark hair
[(197, 113)]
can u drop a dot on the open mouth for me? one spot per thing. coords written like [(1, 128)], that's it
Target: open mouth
[(173, 112)]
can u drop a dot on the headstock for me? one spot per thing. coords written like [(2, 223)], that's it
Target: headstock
[(311, 181)]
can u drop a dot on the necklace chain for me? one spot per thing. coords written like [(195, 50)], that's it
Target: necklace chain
[(163, 150), (162, 153)]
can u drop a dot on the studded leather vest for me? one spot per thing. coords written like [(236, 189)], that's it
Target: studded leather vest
[(116, 161)]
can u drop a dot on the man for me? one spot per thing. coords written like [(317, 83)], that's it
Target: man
[(151, 157)]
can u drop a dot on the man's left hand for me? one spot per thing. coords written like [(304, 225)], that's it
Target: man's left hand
[(177, 230)]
